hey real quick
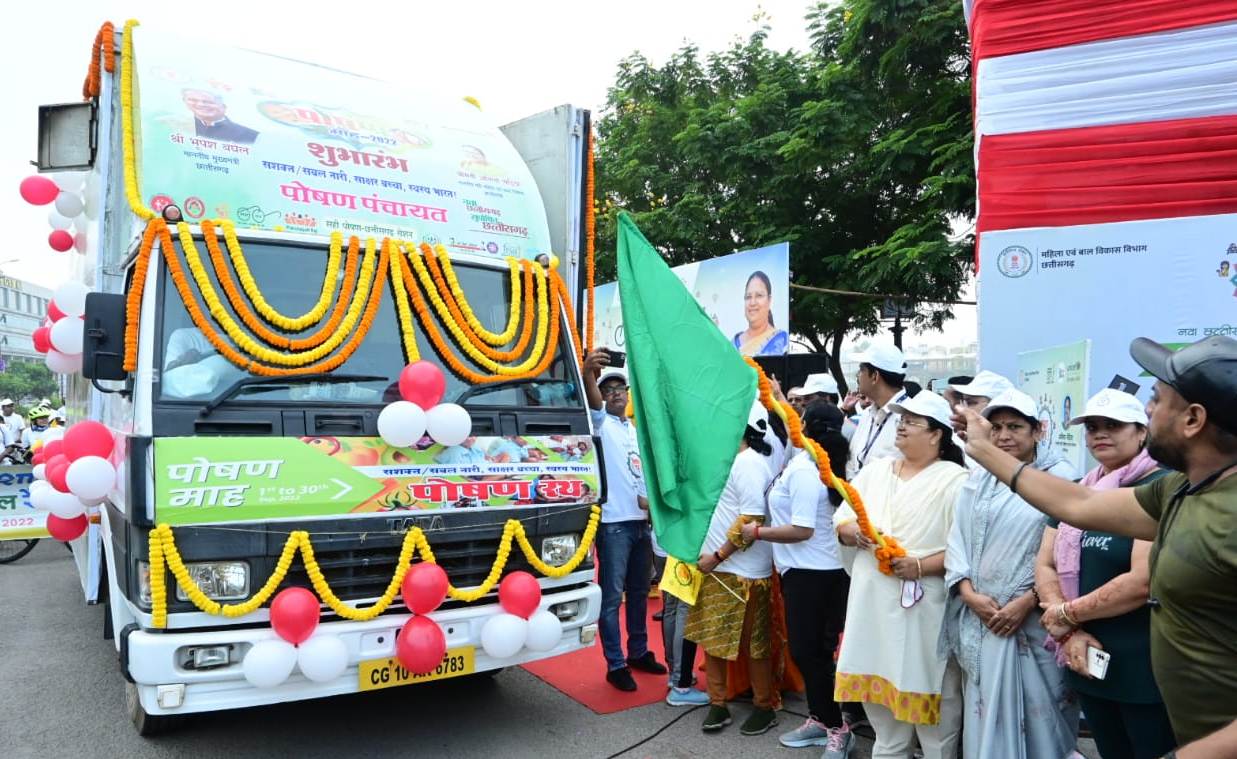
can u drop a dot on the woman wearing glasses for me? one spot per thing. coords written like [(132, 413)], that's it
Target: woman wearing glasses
[(889, 656), (1016, 703)]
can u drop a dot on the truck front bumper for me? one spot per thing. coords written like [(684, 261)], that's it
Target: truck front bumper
[(155, 660)]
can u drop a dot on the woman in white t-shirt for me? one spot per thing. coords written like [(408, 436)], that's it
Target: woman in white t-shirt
[(814, 584), (732, 611)]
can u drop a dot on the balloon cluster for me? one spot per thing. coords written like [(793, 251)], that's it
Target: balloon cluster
[(421, 644), (403, 423), (62, 332), (72, 470), (520, 625), (65, 193), (294, 616)]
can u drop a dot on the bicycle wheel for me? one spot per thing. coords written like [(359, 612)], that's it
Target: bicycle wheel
[(12, 550)]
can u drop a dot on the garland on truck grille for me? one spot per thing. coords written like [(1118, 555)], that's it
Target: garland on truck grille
[(164, 556), (887, 548)]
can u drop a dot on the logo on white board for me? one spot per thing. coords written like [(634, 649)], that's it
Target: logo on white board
[(1015, 261)]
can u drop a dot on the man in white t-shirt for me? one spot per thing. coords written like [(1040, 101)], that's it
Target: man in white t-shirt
[(12, 421), (882, 374), (624, 541)]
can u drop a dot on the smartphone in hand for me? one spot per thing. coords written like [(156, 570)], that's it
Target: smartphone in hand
[(617, 358), (1097, 662)]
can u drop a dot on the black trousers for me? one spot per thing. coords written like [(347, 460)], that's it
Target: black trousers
[(1128, 731), (815, 617)]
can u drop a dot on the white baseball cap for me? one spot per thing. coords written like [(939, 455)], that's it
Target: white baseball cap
[(1013, 399), (926, 403), (6, 402), (819, 383), (795, 392), (1113, 404), (612, 373), (986, 384), (883, 356)]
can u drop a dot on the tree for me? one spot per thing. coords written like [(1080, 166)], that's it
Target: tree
[(28, 379), (857, 152)]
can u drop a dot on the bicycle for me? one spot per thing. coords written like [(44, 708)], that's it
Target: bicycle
[(12, 550)]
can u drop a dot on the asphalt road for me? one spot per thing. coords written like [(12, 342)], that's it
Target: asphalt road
[(64, 696)]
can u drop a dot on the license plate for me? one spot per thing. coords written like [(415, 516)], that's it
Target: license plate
[(376, 674)]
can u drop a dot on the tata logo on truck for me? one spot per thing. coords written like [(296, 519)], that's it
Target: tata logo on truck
[(427, 524), (1015, 261)]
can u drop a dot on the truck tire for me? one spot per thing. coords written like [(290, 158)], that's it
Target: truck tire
[(145, 723)]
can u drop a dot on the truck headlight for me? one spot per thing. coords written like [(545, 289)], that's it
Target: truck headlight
[(219, 580), (557, 550)]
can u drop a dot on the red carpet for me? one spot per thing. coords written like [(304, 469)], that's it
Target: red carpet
[(582, 674)]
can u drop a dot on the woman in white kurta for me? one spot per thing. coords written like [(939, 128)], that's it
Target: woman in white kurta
[(889, 656)]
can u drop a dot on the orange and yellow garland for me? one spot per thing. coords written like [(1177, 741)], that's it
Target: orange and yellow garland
[(105, 48), (887, 548), (590, 247)]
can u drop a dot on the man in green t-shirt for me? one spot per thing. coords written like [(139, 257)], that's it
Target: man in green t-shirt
[(1191, 516)]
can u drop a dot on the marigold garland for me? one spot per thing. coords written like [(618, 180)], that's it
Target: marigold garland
[(163, 553), (268, 312), (403, 310), (887, 548), (453, 292), (590, 246), (127, 142), (133, 299), (451, 298), (534, 357), (105, 49), (561, 287)]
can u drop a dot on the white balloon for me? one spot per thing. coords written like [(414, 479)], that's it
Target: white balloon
[(90, 478), (65, 505), (62, 363), (39, 472), (401, 424), (53, 433), (503, 635), (448, 423), (41, 498), (269, 663), (39, 485), (544, 631), (57, 220), (69, 204), (81, 241), (69, 181), (67, 336), (322, 658), (70, 298)]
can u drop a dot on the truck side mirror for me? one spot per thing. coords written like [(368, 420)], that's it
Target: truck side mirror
[(103, 349)]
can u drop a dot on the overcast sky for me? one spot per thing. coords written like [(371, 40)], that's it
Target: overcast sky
[(517, 58)]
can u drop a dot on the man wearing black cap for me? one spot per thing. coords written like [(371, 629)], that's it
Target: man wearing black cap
[(1191, 516)]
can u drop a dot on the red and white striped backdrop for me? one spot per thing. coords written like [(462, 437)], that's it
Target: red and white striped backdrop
[(1090, 111)]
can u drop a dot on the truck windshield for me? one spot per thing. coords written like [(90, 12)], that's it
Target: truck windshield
[(290, 279)]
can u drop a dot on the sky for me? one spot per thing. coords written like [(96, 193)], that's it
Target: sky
[(517, 59)]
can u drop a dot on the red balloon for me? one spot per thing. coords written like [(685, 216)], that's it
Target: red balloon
[(519, 594), (52, 448), (294, 614), (54, 314), (38, 191), (42, 338), (422, 383), (425, 587), (66, 529), (421, 645), (37, 458), (60, 240), (55, 469), (88, 438)]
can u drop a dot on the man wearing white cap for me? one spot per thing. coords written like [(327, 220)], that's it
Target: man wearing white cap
[(976, 394), (624, 542), (13, 422), (882, 373)]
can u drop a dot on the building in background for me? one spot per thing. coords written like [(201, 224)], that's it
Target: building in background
[(23, 306)]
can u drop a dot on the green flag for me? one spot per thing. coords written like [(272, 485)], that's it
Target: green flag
[(691, 390)]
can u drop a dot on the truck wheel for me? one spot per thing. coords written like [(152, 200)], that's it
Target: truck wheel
[(145, 723)]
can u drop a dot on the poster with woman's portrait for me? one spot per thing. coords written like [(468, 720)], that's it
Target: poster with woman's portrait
[(746, 294)]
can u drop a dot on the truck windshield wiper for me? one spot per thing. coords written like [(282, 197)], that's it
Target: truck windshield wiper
[(476, 390), (245, 382)]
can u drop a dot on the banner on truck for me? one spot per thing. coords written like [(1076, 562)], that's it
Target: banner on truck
[(273, 143), (200, 480), (1057, 378), (1172, 280), (746, 294), (19, 519)]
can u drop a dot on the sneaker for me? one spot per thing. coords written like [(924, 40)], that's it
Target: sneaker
[(621, 678), (841, 741), (647, 663), (687, 697), (717, 718), (759, 722), (810, 733)]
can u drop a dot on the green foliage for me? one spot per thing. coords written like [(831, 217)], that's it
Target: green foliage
[(30, 380), (857, 152)]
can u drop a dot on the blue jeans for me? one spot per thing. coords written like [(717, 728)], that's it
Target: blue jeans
[(624, 554)]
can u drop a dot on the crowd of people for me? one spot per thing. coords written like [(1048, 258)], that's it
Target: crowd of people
[(18, 433), (1026, 593)]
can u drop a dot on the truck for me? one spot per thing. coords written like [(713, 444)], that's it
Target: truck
[(241, 342)]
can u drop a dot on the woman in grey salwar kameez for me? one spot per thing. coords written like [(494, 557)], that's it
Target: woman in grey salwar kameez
[(1016, 703)]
